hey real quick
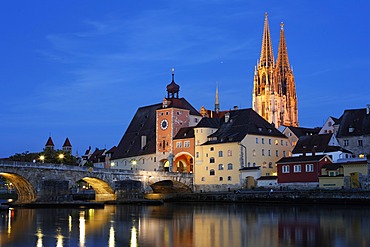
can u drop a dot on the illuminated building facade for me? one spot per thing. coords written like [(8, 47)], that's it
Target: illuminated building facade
[(274, 94)]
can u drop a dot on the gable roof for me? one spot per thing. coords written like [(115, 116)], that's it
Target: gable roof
[(184, 133), (316, 143), (49, 142), (354, 122), (142, 124), (209, 123), (241, 123), (301, 131), (294, 159), (182, 103)]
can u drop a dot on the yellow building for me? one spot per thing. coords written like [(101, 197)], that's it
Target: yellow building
[(347, 174), (241, 138)]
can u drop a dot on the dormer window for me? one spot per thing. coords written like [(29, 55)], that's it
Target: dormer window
[(259, 129), (351, 129)]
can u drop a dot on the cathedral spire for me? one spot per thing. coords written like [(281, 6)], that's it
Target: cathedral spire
[(217, 103), (267, 56), (282, 62)]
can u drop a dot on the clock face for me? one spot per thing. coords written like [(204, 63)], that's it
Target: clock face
[(164, 124)]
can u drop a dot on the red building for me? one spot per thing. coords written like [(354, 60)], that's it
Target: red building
[(301, 170)]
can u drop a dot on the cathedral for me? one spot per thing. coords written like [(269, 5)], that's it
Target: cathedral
[(274, 94)]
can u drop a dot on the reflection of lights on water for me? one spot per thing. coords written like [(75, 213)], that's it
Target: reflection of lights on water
[(39, 236), (82, 228), (59, 238), (91, 213), (111, 239), (10, 216), (70, 223), (133, 241)]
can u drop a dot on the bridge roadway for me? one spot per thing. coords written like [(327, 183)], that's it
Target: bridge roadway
[(53, 182)]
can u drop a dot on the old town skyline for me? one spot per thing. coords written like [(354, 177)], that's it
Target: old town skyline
[(82, 77)]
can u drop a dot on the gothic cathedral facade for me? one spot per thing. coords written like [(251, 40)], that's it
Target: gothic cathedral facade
[(274, 93)]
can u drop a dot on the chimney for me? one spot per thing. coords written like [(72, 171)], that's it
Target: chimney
[(304, 151), (367, 109), (314, 150)]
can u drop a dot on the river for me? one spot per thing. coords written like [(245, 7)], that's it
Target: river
[(186, 225)]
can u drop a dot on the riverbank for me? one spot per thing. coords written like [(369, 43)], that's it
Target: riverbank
[(279, 197)]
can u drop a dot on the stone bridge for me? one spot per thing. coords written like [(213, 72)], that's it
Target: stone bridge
[(53, 182)]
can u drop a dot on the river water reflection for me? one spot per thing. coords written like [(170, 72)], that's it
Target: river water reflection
[(187, 225)]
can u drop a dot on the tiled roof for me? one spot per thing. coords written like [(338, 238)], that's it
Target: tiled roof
[(331, 167), (97, 156), (186, 132), (112, 150), (354, 123), (301, 131), (209, 123), (241, 123), (142, 124), (314, 158), (182, 103), (319, 143)]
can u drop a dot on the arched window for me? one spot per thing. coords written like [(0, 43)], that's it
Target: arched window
[(211, 160), (220, 167), (229, 166), (229, 178), (270, 165), (221, 178), (211, 172)]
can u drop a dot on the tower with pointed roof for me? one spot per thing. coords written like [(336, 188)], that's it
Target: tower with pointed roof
[(49, 143), (67, 147), (217, 103), (274, 94)]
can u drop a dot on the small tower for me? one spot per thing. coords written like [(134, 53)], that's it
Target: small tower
[(49, 144), (217, 103), (67, 147), (172, 88)]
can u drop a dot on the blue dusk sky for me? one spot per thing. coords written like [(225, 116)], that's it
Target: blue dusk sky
[(80, 69)]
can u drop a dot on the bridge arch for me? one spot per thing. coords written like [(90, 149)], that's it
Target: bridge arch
[(170, 186), (103, 191), (26, 192)]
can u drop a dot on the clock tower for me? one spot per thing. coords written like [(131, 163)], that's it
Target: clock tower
[(170, 118)]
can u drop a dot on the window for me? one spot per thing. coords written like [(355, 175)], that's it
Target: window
[(220, 167), (203, 179), (211, 149), (309, 167), (282, 143), (229, 153), (178, 144), (211, 160), (186, 144), (286, 169), (269, 152), (263, 140), (254, 164), (270, 165), (256, 140), (220, 154), (229, 178), (276, 142), (254, 152), (221, 179), (270, 141), (211, 172), (284, 153), (277, 153), (346, 142), (249, 164), (263, 152), (360, 143), (229, 166), (297, 168), (197, 155)]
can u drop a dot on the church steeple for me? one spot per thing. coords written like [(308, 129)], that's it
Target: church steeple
[(274, 93), (282, 61), (267, 56), (217, 103)]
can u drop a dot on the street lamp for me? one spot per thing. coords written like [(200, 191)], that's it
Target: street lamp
[(42, 158), (61, 157)]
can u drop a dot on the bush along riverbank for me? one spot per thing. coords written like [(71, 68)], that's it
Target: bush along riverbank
[(280, 197)]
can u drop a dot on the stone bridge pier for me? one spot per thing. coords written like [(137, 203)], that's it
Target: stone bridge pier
[(53, 183)]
